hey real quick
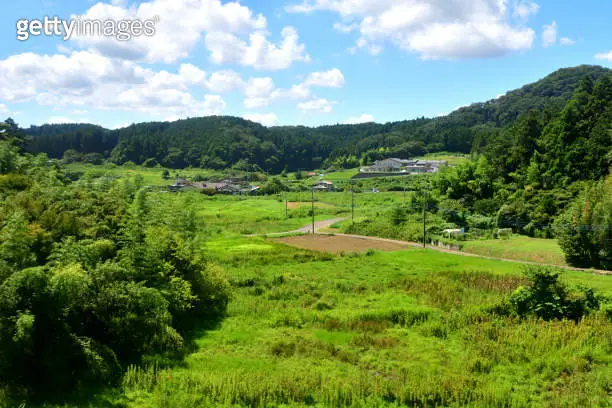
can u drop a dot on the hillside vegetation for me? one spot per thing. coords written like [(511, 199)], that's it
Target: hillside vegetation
[(220, 142)]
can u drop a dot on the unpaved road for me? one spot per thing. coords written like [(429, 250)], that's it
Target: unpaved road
[(391, 244), (308, 228)]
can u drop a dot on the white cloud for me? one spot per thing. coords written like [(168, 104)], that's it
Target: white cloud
[(259, 53), (605, 56), (346, 28), (259, 87), (120, 125), (180, 28), (567, 41), (525, 9), (363, 118), (224, 81), (192, 74), (549, 35), (3, 109), (266, 119), (332, 78), (317, 105), (80, 112), (24, 76), (434, 29), (58, 120), (261, 92), (88, 79)]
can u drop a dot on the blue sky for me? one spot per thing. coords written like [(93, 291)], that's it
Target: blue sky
[(307, 62)]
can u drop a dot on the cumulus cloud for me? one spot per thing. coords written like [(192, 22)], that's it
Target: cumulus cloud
[(549, 35), (525, 9), (332, 78), (181, 26), (604, 56), (363, 118), (224, 81), (259, 52), (59, 120), (317, 105), (266, 119), (567, 41), (85, 78), (261, 92), (435, 29), (4, 110)]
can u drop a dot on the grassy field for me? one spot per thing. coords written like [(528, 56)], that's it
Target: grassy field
[(452, 158), (376, 329), (546, 251), (373, 329), (151, 176), (235, 215)]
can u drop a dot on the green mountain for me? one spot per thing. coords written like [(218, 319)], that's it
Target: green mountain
[(220, 141)]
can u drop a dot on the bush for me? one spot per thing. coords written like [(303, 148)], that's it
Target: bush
[(548, 298)]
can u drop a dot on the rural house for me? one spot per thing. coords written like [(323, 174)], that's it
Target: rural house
[(394, 165)]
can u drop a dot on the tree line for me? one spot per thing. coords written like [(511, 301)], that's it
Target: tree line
[(220, 142)]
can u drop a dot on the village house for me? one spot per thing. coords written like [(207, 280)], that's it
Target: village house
[(324, 186), (394, 165)]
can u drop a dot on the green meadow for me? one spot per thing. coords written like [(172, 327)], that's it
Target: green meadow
[(413, 327), (377, 329), (522, 248)]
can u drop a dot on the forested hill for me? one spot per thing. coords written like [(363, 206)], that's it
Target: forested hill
[(219, 142)]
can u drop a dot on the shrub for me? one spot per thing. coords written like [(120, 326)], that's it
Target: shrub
[(548, 298)]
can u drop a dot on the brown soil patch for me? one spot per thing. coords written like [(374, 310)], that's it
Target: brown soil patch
[(335, 244)]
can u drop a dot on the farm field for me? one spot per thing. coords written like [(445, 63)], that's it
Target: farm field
[(360, 327), (376, 329), (545, 251), (337, 244), (152, 176)]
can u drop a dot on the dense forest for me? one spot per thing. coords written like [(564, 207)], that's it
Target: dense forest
[(92, 276), (221, 142)]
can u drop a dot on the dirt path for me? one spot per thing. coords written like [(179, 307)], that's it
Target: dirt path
[(325, 224), (308, 228)]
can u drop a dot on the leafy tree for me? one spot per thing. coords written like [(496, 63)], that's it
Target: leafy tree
[(585, 229), (548, 298)]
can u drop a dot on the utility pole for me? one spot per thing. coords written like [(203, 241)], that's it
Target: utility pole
[(424, 218), (313, 217), (286, 206), (353, 203)]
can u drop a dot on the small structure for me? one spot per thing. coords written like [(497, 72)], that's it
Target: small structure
[(324, 186), (180, 184), (404, 166), (453, 233)]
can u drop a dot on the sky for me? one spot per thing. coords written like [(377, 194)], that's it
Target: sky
[(301, 62)]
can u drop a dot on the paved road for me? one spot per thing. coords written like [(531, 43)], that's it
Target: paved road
[(327, 223)]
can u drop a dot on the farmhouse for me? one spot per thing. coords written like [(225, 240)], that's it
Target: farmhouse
[(324, 186), (394, 165)]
